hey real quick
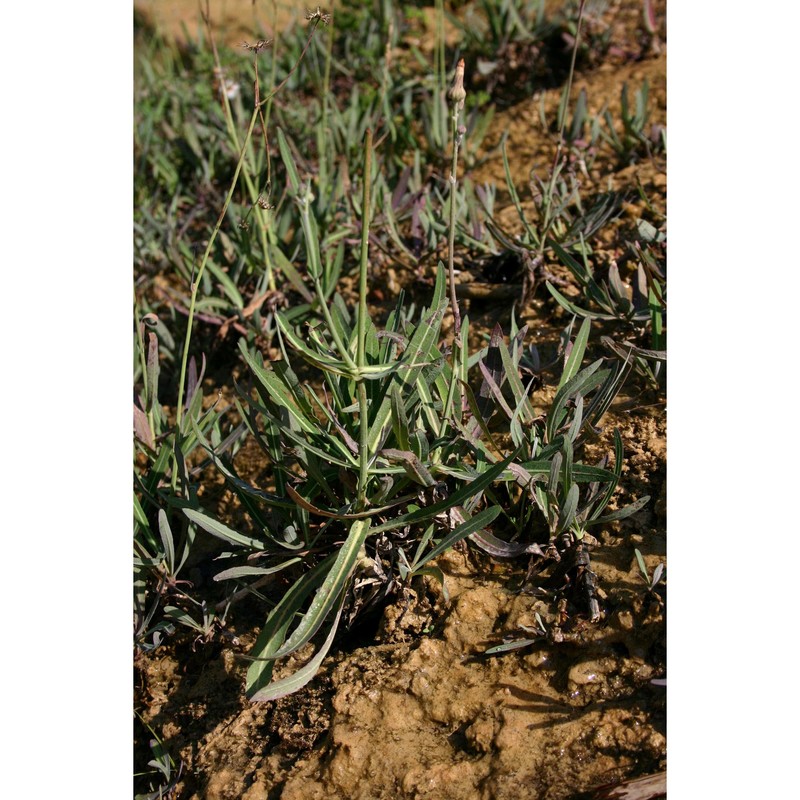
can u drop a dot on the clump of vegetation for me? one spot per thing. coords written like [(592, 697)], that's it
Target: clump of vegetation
[(384, 443)]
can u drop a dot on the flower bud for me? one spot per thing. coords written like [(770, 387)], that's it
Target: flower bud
[(457, 92)]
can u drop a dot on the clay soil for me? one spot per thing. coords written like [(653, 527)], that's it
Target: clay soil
[(408, 706)]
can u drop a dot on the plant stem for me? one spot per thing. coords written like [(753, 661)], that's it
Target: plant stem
[(457, 96), (554, 172), (361, 351), (326, 85), (204, 261), (365, 222), (212, 238)]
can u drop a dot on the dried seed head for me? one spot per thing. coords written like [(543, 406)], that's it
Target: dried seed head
[(457, 92), (260, 45), (318, 14)]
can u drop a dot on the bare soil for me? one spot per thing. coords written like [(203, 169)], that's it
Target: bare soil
[(408, 706)]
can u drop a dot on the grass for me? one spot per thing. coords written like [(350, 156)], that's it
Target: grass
[(386, 436)]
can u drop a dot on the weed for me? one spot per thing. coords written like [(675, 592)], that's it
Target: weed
[(385, 447), (382, 457), (163, 765), (651, 581), (631, 140)]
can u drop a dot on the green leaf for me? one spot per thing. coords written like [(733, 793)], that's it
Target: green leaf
[(273, 633), (277, 390), (642, 567), (618, 455), (332, 588), (228, 286), (399, 419), (167, 540), (469, 526), (288, 162), (412, 465), (458, 498), (246, 572), (497, 548), (216, 528), (179, 615), (567, 513), (512, 190), (568, 305), (582, 383), (581, 473), (305, 674), (414, 358), (523, 407), (622, 513), (573, 363), (435, 572), (505, 648), (314, 357), (288, 269)]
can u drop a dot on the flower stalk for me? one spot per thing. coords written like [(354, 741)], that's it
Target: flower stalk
[(457, 96)]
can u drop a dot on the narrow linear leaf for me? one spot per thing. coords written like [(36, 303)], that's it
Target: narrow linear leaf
[(657, 572), (288, 162), (498, 548), (247, 572), (216, 528), (458, 497), (576, 356), (166, 538), (508, 646), (321, 512), (273, 633), (332, 587), (640, 560), (567, 513), (413, 467), (297, 680), (622, 513), (582, 383), (480, 520)]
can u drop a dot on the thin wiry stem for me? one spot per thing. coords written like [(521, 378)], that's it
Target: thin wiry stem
[(361, 351), (457, 95), (218, 226), (554, 171)]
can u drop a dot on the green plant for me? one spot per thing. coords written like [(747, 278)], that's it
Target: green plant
[(162, 482), (385, 447), (633, 140), (651, 581), (378, 440), (640, 308), (558, 214), (162, 765), (382, 449)]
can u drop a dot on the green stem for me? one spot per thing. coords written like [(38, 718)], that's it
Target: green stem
[(249, 170), (212, 238), (326, 83), (365, 222), (452, 234), (204, 261), (554, 172), (361, 351), (457, 96)]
